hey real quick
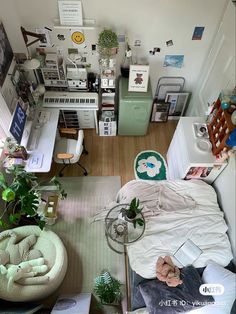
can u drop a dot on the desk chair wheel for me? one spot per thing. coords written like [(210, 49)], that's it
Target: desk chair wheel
[(85, 170)]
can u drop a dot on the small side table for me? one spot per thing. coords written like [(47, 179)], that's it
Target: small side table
[(121, 231)]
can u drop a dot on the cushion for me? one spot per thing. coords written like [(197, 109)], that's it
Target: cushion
[(217, 274), (160, 298), (139, 311)]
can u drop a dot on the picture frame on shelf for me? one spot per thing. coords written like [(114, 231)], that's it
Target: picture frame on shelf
[(138, 78), (177, 103), (160, 111)]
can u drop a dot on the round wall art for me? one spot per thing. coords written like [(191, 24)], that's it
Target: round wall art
[(77, 37)]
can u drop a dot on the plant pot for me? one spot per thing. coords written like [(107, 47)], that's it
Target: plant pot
[(106, 53), (124, 216)]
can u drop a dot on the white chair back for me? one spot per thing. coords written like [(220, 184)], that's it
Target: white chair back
[(79, 145)]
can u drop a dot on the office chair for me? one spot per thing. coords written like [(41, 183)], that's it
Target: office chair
[(68, 151)]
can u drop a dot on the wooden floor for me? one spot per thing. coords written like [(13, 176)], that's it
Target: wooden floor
[(114, 156)]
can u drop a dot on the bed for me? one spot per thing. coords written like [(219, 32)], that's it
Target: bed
[(175, 211)]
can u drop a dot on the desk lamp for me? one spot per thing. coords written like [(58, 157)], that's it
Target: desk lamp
[(31, 64)]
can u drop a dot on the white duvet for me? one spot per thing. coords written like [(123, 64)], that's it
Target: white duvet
[(176, 211)]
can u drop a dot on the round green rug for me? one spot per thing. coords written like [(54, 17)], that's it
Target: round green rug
[(150, 165)]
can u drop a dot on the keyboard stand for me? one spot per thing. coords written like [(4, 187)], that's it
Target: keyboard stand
[(45, 143)]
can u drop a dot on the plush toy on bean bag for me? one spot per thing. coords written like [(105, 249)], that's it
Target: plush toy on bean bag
[(23, 270), (18, 251), (166, 271)]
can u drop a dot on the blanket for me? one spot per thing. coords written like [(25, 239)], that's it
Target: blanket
[(190, 211)]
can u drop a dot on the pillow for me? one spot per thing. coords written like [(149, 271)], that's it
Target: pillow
[(160, 298), (139, 311), (217, 274)]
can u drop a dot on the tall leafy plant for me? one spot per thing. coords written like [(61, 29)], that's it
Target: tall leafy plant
[(21, 196)]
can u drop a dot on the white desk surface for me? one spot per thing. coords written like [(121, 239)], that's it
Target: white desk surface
[(46, 142)]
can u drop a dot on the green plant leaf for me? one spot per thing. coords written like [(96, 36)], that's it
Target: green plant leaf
[(133, 203), (29, 204), (3, 183), (3, 224), (140, 221), (41, 223), (8, 195), (14, 218)]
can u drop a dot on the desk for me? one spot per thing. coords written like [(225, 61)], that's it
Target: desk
[(46, 142)]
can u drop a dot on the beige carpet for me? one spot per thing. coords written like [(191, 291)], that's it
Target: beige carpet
[(88, 252)]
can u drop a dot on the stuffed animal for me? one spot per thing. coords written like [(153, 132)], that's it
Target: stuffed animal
[(23, 270), (167, 272), (18, 251)]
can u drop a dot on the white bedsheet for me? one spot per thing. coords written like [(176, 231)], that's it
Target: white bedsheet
[(200, 220)]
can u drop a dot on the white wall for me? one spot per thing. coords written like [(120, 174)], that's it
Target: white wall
[(152, 21), (225, 186), (218, 72)]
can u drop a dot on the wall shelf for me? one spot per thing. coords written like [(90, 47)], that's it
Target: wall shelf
[(88, 24)]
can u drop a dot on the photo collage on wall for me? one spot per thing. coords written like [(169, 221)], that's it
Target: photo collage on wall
[(6, 54)]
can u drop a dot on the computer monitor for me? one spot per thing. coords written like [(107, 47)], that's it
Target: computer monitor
[(18, 122)]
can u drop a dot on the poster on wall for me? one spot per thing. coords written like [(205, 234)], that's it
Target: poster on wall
[(46, 41), (175, 61), (198, 32), (138, 78), (6, 54), (70, 12)]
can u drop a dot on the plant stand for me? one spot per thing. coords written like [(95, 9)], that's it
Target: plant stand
[(118, 231)]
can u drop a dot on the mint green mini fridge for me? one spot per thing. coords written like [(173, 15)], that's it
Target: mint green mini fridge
[(134, 110)]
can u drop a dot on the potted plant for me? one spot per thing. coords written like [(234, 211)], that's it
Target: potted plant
[(107, 43), (130, 213), (107, 288), (21, 194)]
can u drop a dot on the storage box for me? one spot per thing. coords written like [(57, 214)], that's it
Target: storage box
[(73, 304), (107, 127)]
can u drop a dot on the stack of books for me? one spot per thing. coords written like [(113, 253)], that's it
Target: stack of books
[(108, 100)]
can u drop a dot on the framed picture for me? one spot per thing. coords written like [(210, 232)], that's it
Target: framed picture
[(198, 173), (160, 110), (138, 78), (178, 103), (6, 54)]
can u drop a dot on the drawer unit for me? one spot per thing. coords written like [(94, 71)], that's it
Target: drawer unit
[(86, 119)]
